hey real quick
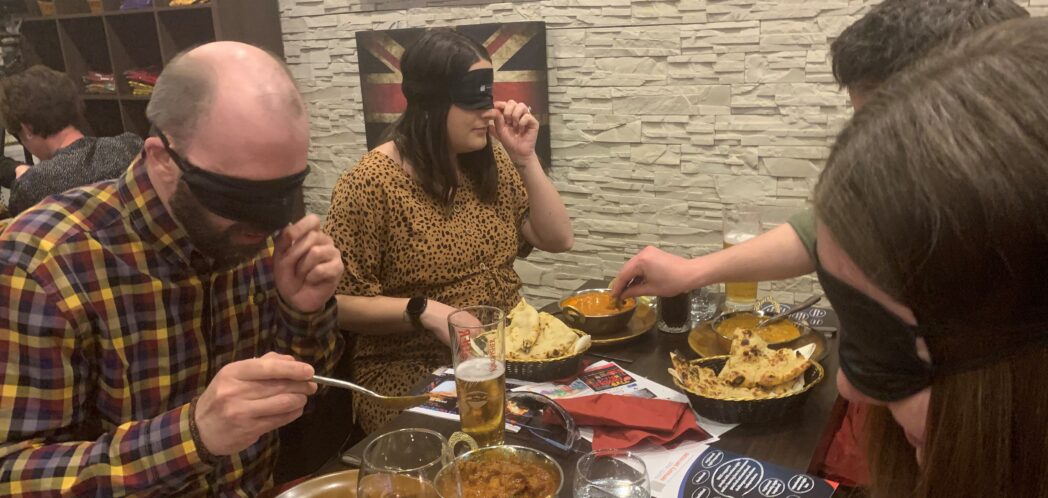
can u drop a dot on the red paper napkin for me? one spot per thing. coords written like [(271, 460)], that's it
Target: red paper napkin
[(621, 422)]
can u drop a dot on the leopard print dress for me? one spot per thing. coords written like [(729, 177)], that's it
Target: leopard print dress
[(398, 241)]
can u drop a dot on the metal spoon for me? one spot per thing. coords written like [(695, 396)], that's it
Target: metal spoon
[(796, 309), (392, 402)]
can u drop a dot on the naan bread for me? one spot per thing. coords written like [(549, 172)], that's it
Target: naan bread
[(752, 371), (523, 329), (752, 364), (555, 338), (532, 335)]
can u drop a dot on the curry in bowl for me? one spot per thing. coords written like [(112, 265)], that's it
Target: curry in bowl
[(596, 312), (598, 303), (774, 334), (502, 472)]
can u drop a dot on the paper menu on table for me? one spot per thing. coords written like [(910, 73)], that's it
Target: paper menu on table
[(604, 377), (601, 377), (446, 406), (667, 468), (721, 474), (610, 378)]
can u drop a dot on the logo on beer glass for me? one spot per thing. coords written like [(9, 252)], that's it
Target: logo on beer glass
[(463, 340), (476, 399)]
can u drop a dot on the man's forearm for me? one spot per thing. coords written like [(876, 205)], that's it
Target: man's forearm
[(136, 458), (774, 255)]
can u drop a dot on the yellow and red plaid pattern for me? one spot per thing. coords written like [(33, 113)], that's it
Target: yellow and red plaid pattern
[(110, 324)]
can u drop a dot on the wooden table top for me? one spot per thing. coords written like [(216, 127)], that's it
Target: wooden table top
[(796, 443)]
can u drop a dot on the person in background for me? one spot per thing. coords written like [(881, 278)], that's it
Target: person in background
[(42, 108), (890, 37), (154, 333), (433, 220), (933, 234)]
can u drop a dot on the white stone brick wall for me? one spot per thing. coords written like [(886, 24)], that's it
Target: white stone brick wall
[(662, 112)]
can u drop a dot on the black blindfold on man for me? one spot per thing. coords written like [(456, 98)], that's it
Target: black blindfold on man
[(268, 204)]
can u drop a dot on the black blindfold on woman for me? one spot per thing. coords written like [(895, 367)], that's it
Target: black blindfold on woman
[(878, 350), (472, 90)]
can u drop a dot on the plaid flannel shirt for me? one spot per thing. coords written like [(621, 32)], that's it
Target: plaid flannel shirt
[(110, 324)]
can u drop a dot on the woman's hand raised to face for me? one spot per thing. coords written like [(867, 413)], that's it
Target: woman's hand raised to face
[(517, 129)]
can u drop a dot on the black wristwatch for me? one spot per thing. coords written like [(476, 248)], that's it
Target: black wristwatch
[(413, 313)]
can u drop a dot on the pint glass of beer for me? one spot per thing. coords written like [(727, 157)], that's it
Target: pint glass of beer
[(479, 354), (741, 223)]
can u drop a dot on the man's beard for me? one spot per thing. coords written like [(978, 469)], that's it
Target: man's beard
[(210, 241)]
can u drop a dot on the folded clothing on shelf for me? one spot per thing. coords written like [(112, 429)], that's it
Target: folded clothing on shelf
[(98, 82), (139, 88), (142, 80), (183, 3)]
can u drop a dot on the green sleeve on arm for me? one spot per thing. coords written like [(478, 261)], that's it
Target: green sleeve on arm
[(804, 224)]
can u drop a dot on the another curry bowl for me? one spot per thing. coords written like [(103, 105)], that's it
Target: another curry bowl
[(750, 411), (595, 312), (517, 456), (724, 336)]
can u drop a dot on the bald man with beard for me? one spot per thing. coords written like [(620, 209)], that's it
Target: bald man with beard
[(157, 329)]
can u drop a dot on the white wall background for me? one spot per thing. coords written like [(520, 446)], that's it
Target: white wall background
[(662, 112)]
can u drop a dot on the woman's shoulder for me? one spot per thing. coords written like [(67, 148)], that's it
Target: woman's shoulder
[(374, 167)]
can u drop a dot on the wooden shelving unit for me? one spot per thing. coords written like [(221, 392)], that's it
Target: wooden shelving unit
[(76, 40)]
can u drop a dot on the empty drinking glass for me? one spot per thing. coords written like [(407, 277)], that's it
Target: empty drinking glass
[(403, 464), (611, 474), (703, 305)]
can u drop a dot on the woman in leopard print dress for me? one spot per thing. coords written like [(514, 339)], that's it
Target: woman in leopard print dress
[(438, 214)]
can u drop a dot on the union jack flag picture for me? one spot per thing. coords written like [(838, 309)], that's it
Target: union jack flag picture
[(518, 53)]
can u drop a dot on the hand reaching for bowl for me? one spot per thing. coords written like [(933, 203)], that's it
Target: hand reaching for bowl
[(654, 272)]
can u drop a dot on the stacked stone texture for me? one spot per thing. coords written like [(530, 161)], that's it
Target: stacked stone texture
[(662, 113)]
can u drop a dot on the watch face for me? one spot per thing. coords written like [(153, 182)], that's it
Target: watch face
[(416, 305)]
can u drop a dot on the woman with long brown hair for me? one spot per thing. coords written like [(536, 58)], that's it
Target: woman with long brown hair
[(433, 220), (933, 249)]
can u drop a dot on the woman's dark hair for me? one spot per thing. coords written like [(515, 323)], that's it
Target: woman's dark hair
[(42, 98), (430, 66), (896, 33), (938, 191)]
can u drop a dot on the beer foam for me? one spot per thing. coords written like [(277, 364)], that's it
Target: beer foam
[(479, 370), (734, 238)]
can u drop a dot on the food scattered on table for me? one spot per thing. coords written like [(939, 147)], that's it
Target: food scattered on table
[(534, 335), (598, 303), (753, 371), (506, 477)]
